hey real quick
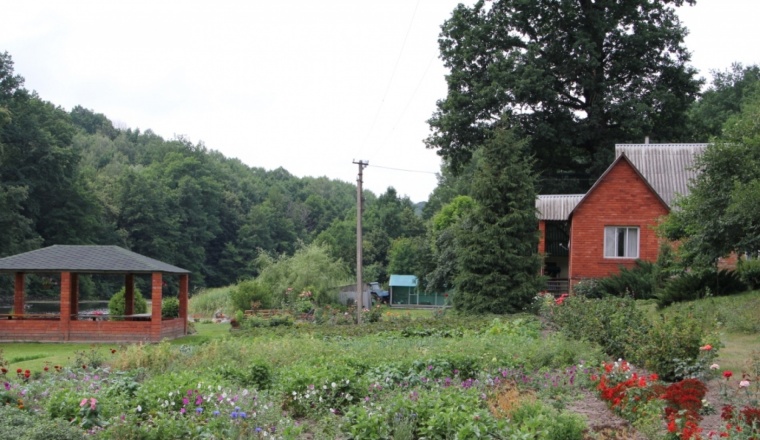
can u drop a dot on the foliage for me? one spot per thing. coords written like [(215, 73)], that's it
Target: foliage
[(206, 302), (749, 272), (670, 341), (170, 307), (26, 426), (724, 98), (250, 294), (718, 216), (311, 268), (638, 282), (616, 324), (497, 243), (117, 304), (576, 77), (700, 284)]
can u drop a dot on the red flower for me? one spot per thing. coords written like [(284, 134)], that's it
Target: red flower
[(84, 367), (27, 373), (706, 347), (4, 370), (18, 371), (113, 351), (727, 374), (46, 368)]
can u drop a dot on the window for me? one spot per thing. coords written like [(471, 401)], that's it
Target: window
[(621, 242)]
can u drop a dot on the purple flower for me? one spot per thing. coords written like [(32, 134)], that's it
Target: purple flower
[(182, 411), (216, 413), (242, 414), (199, 410), (258, 429)]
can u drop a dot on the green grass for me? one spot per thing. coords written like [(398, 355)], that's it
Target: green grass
[(204, 303), (35, 356)]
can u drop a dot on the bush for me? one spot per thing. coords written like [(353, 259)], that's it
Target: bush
[(749, 272), (639, 282), (248, 293), (700, 284), (616, 324), (672, 343), (116, 305), (589, 288), (170, 308)]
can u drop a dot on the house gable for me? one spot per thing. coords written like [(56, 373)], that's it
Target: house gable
[(621, 197)]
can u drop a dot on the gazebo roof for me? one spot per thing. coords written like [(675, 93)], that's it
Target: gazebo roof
[(85, 259)]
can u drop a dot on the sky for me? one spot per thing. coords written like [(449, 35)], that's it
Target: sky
[(309, 86)]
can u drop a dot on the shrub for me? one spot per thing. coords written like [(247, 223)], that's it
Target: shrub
[(250, 292), (749, 272), (208, 301), (639, 282), (23, 425), (589, 288), (616, 324), (672, 341), (700, 284), (116, 305), (170, 308)]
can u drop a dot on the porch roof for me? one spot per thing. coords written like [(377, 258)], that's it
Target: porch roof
[(403, 281), (556, 206), (85, 259)]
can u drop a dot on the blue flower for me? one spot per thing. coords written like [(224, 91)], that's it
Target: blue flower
[(234, 414), (242, 414), (199, 410), (258, 429), (216, 413)]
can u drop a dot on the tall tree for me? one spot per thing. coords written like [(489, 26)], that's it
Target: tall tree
[(497, 245), (720, 215), (575, 75), (723, 99)]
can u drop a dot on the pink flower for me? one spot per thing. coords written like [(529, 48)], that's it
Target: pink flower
[(707, 347), (744, 384), (83, 402), (92, 403), (714, 366)]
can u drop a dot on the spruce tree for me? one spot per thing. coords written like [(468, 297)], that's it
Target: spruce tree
[(498, 243)]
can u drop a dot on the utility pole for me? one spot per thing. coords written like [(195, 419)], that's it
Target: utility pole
[(359, 211)]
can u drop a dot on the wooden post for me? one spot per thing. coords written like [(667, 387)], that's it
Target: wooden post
[(184, 284), (155, 317), (18, 294)]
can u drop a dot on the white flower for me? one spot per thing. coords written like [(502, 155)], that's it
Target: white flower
[(334, 385), (139, 408), (714, 366), (348, 397)]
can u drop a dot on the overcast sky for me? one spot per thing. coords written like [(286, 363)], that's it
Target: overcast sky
[(306, 85)]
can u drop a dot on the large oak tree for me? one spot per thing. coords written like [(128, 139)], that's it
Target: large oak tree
[(577, 76)]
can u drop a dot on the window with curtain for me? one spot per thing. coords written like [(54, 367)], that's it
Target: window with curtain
[(621, 242)]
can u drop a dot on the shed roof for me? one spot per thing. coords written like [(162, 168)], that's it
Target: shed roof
[(85, 259), (403, 281), (556, 206), (669, 168)]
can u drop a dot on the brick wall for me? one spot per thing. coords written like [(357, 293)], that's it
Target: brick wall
[(621, 198), (53, 330)]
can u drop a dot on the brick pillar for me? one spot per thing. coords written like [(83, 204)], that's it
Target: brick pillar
[(18, 295), (542, 237), (184, 282), (74, 295), (155, 317), (129, 294), (65, 304)]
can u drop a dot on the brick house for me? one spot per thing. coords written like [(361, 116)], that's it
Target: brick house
[(591, 235)]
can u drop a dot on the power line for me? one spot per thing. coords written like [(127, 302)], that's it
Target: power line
[(405, 170), (393, 74)]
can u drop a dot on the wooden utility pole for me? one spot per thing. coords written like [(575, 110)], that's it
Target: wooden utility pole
[(359, 210)]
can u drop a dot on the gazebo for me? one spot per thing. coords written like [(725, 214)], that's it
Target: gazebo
[(69, 325)]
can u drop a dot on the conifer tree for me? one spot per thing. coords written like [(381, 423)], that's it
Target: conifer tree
[(498, 243)]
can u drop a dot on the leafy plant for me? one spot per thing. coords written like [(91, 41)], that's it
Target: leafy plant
[(116, 305), (749, 272), (700, 284), (170, 307)]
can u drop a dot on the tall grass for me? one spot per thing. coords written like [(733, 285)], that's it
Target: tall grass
[(209, 301)]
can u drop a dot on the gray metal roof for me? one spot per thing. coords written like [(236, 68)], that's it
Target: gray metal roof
[(667, 167), (556, 206), (85, 259)]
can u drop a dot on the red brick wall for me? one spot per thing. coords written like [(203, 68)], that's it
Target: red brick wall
[(542, 237), (53, 330), (622, 198)]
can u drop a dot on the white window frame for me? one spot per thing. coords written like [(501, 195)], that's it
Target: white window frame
[(630, 246)]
